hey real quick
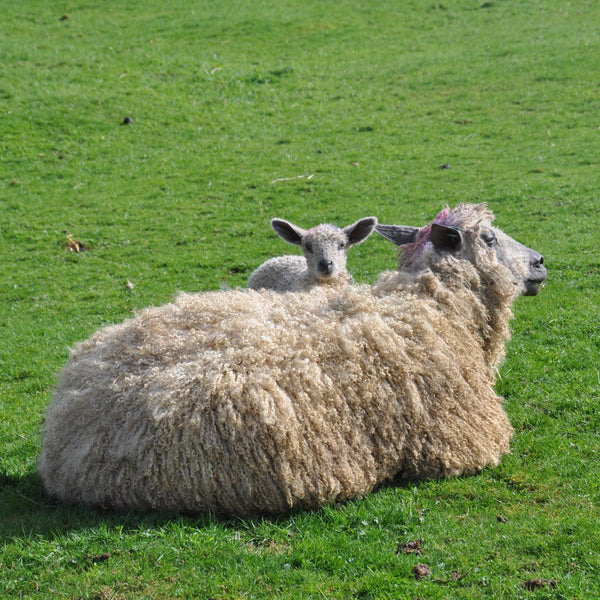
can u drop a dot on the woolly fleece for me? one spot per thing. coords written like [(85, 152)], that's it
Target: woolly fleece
[(245, 402)]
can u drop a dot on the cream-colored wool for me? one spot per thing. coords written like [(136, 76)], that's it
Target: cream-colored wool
[(325, 248), (245, 402)]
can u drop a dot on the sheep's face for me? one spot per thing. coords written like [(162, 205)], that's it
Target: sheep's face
[(466, 233), (526, 265), (325, 246), (487, 247)]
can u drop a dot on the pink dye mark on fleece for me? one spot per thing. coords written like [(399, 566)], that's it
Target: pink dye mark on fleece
[(411, 252)]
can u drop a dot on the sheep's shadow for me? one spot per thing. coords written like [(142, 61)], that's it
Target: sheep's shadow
[(28, 512)]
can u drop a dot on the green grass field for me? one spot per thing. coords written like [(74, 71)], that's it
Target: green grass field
[(312, 111)]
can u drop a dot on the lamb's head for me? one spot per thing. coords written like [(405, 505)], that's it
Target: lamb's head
[(325, 246), (466, 233)]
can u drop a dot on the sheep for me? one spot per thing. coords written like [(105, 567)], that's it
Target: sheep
[(325, 249), (244, 403)]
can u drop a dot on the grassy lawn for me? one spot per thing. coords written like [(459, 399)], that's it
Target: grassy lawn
[(310, 111)]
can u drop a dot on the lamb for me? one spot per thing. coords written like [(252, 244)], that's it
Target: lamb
[(325, 249), (244, 403)]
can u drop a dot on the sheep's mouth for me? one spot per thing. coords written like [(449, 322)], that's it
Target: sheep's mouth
[(533, 286), (538, 275)]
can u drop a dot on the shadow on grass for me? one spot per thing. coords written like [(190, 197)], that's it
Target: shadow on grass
[(26, 511)]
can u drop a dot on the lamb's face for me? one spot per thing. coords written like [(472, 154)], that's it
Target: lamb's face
[(325, 248)]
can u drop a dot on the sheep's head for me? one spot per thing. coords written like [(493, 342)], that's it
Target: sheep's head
[(466, 233), (325, 246)]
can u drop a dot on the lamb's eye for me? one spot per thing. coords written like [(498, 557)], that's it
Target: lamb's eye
[(489, 238), (342, 245), (308, 247)]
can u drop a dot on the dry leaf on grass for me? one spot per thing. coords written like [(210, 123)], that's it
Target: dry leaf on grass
[(74, 245)]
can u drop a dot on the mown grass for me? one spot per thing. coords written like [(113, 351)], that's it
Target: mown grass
[(234, 106)]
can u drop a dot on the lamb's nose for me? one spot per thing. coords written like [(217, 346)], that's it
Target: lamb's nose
[(326, 266), (537, 260)]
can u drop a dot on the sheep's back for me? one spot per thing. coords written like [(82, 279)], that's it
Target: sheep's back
[(246, 402), (169, 408)]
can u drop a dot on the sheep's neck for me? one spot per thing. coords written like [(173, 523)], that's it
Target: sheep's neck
[(485, 310)]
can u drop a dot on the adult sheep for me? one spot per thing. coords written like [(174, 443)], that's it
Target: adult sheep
[(244, 402), (325, 248)]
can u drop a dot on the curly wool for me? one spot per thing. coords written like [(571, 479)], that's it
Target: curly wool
[(246, 403), (489, 289)]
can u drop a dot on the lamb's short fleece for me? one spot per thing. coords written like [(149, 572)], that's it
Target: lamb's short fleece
[(244, 403)]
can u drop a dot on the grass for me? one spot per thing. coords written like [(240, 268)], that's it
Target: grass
[(371, 99)]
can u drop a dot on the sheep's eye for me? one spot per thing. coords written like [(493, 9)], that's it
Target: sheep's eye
[(308, 247), (489, 238), (342, 245)]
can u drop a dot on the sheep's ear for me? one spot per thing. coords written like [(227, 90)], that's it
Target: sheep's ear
[(398, 234), (358, 232), (444, 237), (288, 231)]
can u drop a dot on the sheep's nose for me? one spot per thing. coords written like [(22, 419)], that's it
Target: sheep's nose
[(537, 270), (325, 266), (536, 260)]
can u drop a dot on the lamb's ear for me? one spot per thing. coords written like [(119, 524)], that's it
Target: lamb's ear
[(358, 232), (398, 234), (288, 231), (444, 237)]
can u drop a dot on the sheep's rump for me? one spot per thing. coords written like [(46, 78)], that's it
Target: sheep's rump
[(243, 403)]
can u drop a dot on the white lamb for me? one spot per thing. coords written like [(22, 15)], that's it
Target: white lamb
[(244, 402), (325, 249)]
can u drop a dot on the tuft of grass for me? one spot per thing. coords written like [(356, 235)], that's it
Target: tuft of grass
[(144, 148)]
